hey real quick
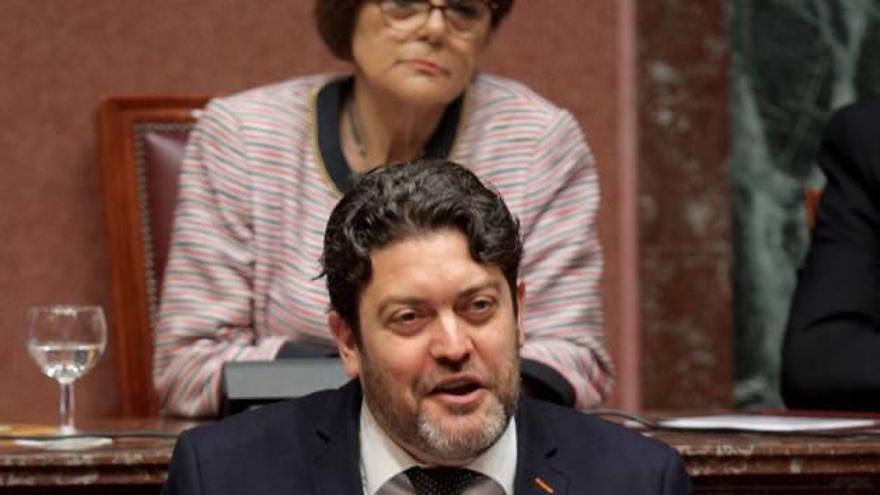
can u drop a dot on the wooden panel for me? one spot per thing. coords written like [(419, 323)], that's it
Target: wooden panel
[(684, 200)]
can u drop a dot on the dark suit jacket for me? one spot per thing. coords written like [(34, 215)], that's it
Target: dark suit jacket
[(310, 446), (831, 354)]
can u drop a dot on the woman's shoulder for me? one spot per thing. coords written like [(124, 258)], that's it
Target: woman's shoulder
[(492, 92), (500, 103), (852, 133), (861, 114), (855, 122), (291, 95)]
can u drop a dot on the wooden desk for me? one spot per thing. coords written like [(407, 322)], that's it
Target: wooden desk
[(718, 463), (129, 466), (779, 464)]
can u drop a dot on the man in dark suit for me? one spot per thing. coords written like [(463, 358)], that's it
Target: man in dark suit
[(832, 343), (421, 262)]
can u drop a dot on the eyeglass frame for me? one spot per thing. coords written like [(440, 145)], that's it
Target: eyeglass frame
[(490, 5)]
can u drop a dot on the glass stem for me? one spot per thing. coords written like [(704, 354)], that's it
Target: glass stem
[(66, 409)]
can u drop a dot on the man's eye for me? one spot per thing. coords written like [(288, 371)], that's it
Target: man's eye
[(404, 317), (481, 305), (407, 321)]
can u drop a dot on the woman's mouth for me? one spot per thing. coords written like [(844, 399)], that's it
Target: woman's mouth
[(426, 66)]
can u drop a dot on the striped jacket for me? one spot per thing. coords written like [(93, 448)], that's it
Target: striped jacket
[(255, 197)]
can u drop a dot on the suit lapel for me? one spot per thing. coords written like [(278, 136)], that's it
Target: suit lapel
[(536, 472), (336, 469)]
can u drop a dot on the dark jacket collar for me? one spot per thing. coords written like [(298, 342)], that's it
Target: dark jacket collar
[(337, 444)]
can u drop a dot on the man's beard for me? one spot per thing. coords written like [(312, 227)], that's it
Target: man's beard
[(437, 436)]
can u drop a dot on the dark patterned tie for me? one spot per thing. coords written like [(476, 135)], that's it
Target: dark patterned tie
[(441, 480)]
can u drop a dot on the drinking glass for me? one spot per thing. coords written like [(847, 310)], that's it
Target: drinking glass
[(66, 341)]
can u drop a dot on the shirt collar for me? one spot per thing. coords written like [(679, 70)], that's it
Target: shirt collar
[(382, 459)]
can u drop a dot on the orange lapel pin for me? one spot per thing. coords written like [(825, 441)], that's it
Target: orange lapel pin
[(543, 485)]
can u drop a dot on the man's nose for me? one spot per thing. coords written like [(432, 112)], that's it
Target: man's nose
[(452, 340)]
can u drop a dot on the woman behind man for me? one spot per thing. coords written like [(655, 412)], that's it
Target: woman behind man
[(264, 168)]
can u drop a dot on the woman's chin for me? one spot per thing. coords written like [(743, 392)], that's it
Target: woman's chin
[(418, 92)]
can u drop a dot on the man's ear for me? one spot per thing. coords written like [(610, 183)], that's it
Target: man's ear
[(346, 342), (521, 304)]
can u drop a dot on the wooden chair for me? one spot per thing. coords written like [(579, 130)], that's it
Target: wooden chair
[(142, 140)]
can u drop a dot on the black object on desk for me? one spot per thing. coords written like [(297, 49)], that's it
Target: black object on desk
[(248, 384)]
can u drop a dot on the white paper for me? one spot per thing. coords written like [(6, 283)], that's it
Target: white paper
[(78, 443), (765, 423)]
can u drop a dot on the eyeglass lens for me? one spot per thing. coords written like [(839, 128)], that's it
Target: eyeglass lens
[(466, 17)]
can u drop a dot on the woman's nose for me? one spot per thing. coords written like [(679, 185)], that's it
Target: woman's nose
[(435, 27)]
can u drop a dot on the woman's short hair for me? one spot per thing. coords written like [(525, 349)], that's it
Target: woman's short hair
[(336, 18)]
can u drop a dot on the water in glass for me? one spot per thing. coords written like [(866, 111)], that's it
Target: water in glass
[(66, 342)]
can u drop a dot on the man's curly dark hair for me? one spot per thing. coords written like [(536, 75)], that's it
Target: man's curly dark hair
[(396, 202)]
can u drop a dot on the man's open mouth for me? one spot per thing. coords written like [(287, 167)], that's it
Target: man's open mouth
[(458, 387)]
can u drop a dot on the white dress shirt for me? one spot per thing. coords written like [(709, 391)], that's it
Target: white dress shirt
[(383, 462)]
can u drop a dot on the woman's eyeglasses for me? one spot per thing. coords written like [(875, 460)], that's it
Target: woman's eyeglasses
[(465, 18)]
